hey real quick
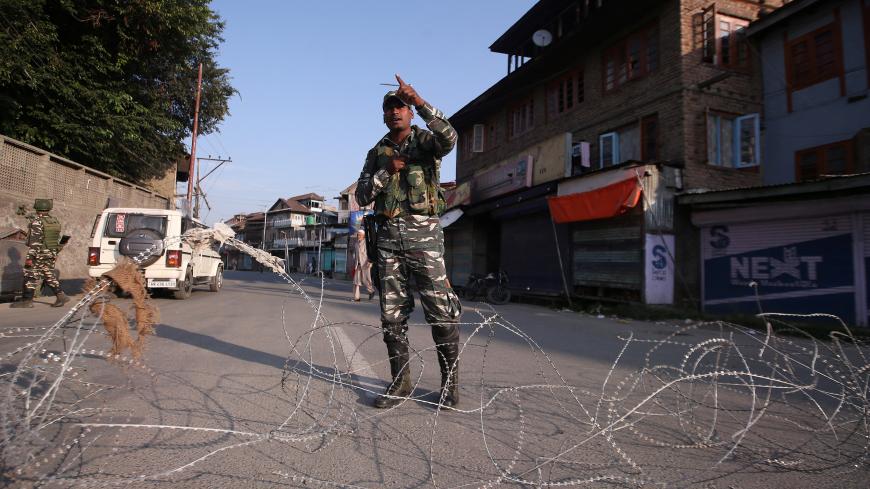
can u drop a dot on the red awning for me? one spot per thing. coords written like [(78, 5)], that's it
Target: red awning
[(612, 200)]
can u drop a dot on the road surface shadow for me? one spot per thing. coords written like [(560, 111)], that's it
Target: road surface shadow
[(216, 345)]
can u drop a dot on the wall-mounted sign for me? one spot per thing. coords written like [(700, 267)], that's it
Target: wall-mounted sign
[(659, 271), (810, 271), (459, 195), (507, 176)]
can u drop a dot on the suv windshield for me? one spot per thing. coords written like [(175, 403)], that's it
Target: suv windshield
[(118, 225)]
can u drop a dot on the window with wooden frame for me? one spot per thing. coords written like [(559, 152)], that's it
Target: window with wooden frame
[(814, 57), (649, 138), (565, 93), (631, 58), (733, 141), (608, 149), (829, 159), (478, 138), (521, 117), (491, 138), (620, 145), (467, 140), (721, 39)]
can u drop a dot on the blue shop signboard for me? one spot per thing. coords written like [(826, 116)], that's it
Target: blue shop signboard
[(814, 276)]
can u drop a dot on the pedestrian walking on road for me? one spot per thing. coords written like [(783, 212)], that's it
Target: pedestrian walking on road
[(402, 177), (44, 242), (362, 268)]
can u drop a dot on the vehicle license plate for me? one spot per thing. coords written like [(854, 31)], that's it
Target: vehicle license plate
[(154, 282)]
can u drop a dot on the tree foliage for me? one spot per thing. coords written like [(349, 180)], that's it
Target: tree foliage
[(110, 83)]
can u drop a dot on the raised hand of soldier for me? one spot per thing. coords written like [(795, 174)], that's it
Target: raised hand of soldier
[(407, 93), (397, 163)]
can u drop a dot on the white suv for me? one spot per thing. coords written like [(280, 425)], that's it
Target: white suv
[(126, 232)]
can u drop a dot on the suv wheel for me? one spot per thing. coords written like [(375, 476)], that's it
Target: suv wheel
[(218, 280), (185, 287)]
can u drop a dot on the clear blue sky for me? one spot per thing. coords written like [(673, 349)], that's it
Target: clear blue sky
[(307, 73)]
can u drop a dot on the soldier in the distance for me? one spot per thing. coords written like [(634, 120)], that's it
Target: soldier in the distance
[(44, 242), (402, 176)]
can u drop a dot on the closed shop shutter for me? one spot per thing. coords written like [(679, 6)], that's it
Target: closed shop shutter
[(528, 254), (457, 244), (609, 252), (799, 266), (327, 259), (865, 222)]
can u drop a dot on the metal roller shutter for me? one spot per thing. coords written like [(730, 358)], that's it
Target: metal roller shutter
[(528, 254), (798, 265), (458, 240), (609, 252)]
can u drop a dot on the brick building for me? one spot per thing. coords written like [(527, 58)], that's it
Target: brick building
[(600, 92)]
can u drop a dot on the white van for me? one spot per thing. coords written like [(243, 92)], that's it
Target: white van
[(126, 232)]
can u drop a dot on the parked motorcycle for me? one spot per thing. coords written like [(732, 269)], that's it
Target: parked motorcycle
[(490, 286)]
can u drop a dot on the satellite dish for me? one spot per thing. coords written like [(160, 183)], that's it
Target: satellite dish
[(542, 38), (450, 217)]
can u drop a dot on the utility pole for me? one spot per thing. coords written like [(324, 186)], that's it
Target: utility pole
[(198, 188), (265, 216), (193, 138), (286, 253), (319, 243)]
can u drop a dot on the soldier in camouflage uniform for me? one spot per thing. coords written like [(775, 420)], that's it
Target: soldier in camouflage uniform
[(43, 238), (401, 175)]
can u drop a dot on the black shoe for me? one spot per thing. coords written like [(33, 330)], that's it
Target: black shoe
[(448, 360), (371, 294), (396, 393), (26, 300), (354, 300), (397, 349)]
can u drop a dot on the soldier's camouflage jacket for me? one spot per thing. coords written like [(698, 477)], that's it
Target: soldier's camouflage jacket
[(410, 200), (43, 232), (43, 241)]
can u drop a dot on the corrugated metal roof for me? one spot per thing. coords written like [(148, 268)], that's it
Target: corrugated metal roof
[(828, 184), (5, 232)]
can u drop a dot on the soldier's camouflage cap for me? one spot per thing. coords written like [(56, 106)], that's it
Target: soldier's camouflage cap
[(393, 94)]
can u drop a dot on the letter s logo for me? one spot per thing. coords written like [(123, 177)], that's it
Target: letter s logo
[(719, 235), (661, 260)]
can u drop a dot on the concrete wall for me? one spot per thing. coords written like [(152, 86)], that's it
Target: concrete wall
[(821, 113), (79, 194)]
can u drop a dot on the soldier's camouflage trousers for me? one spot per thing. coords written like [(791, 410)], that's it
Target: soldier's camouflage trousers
[(38, 267), (440, 303)]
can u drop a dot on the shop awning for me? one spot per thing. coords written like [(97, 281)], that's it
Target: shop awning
[(612, 200)]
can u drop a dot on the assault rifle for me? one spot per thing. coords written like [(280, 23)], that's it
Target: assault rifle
[(370, 226)]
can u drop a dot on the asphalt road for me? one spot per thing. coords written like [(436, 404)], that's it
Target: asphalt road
[(247, 388)]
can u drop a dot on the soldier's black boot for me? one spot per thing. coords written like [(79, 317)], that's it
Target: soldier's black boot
[(26, 299), (61, 298), (400, 387), (448, 360)]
